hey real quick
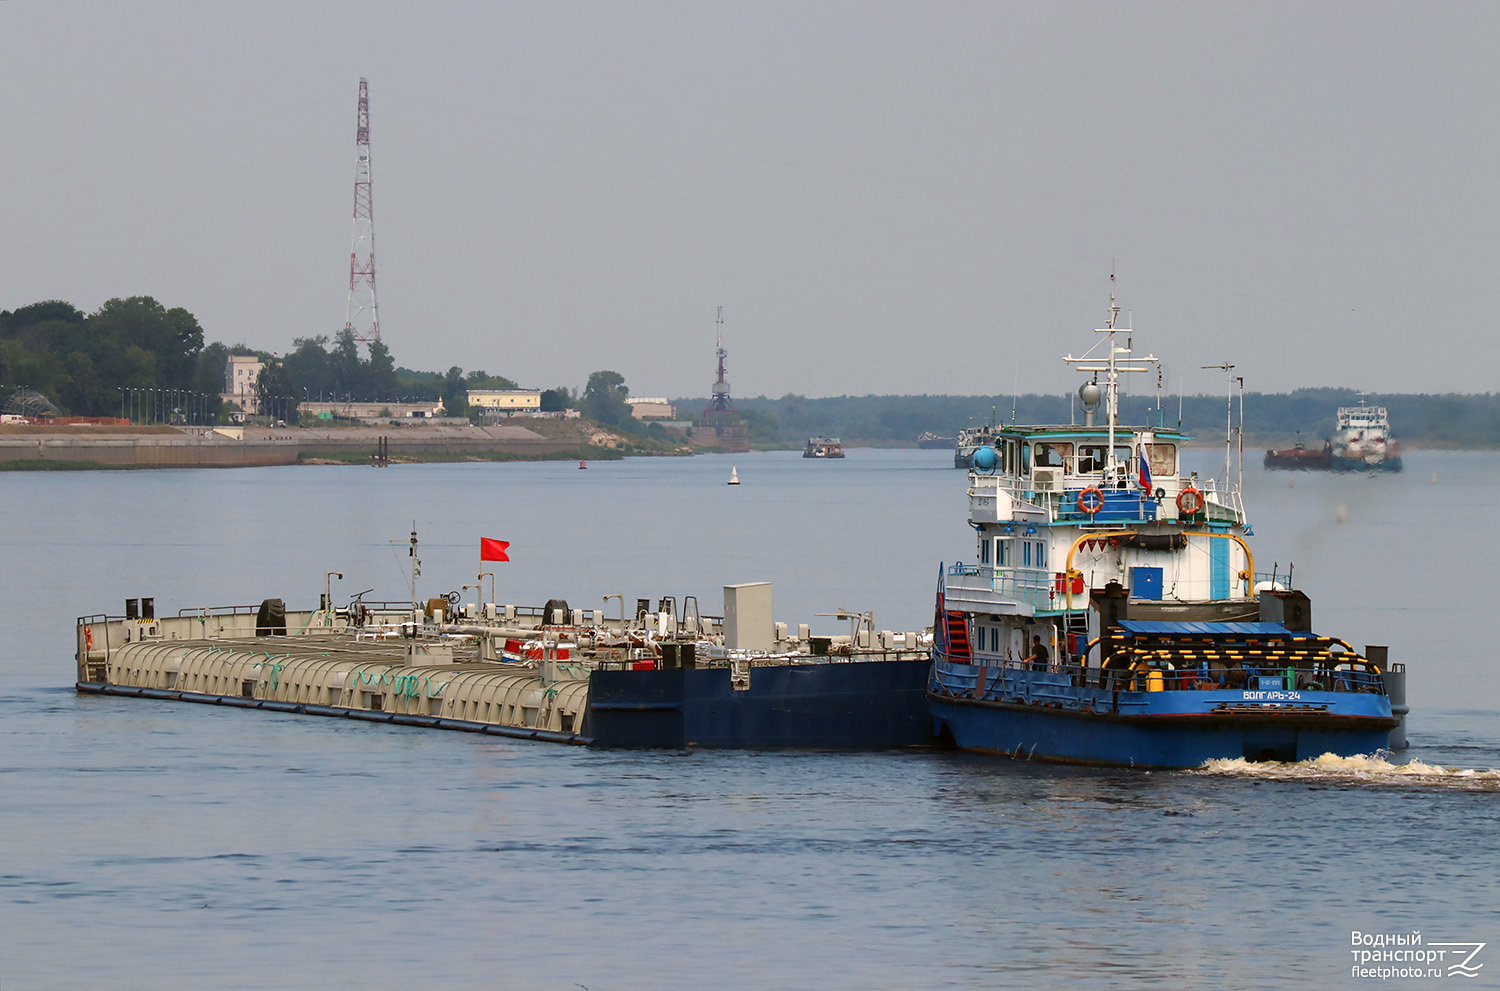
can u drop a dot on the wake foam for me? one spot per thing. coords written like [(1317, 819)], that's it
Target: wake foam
[(1363, 769)]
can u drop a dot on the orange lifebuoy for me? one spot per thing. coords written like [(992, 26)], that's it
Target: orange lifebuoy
[(88, 637), (1088, 503), (1190, 497)]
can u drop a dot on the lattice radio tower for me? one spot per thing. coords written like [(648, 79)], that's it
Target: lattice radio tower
[(363, 319)]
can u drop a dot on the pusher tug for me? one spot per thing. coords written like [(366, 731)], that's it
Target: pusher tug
[(1112, 614)]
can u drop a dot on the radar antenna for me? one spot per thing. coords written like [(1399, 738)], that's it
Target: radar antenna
[(1116, 362)]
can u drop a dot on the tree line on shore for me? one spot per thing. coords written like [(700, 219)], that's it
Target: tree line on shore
[(1270, 419), (85, 362), (92, 364)]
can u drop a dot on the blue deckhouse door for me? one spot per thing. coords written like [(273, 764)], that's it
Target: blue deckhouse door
[(1218, 569)]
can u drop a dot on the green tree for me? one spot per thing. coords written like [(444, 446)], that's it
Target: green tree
[(557, 400), (381, 373), (48, 311), (209, 381), (420, 386), (172, 336), (764, 426), (278, 397), (348, 373), (604, 399), (455, 393), (33, 341), (480, 379), (82, 393), (309, 368)]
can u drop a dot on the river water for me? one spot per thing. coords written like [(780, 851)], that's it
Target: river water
[(158, 845)]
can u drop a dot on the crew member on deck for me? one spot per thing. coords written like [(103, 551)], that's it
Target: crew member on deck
[(1038, 658)]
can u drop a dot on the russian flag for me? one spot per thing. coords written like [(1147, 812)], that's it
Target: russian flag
[(1143, 473)]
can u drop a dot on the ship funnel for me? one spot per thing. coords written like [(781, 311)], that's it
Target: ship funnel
[(1090, 395)]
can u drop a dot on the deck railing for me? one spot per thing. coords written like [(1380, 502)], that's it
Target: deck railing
[(1223, 503), (1035, 588), (1077, 687)]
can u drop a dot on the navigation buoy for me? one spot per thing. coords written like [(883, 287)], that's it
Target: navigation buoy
[(582, 465), (734, 475)]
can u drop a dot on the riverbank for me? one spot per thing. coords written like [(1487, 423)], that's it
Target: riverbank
[(92, 447)]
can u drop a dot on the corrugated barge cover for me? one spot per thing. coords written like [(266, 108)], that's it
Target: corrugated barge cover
[(1223, 630)]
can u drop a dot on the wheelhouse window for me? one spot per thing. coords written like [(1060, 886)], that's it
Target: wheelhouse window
[(1003, 554), (1091, 457), (1053, 455), (1163, 459)]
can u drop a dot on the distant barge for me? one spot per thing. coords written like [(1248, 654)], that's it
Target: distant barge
[(1363, 442), (823, 447), (1299, 458), (669, 678)]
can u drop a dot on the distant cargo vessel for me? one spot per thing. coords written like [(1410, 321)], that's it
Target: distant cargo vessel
[(930, 441), (823, 447), (1362, 442)]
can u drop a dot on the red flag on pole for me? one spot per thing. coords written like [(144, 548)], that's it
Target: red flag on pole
[(493, 550)]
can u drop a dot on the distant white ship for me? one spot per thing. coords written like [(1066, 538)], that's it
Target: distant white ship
[(1363, 441)]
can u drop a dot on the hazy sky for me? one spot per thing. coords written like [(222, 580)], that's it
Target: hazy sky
[(884, 197)]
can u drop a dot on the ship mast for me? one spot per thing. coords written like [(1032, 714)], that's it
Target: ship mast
[(1226, 368), (1118, 361)]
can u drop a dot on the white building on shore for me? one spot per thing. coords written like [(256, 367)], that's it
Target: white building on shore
[(241, 382), (651, 409)]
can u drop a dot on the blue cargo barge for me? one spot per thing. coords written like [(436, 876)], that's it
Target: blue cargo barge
[(667, 677), (842, 704)]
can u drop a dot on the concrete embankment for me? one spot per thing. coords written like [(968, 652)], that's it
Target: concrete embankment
[(89, 446), (136, 447), (444, 442)]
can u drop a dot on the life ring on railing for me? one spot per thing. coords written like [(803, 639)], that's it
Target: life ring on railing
[(88, 638), (1090, 500), (1190, 501)]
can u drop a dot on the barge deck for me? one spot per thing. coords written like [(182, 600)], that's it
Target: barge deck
[(669, 678)]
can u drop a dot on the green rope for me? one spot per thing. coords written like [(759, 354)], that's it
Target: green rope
[(405, 685)]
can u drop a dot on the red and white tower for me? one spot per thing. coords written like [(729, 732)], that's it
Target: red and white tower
[(363, 318)]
